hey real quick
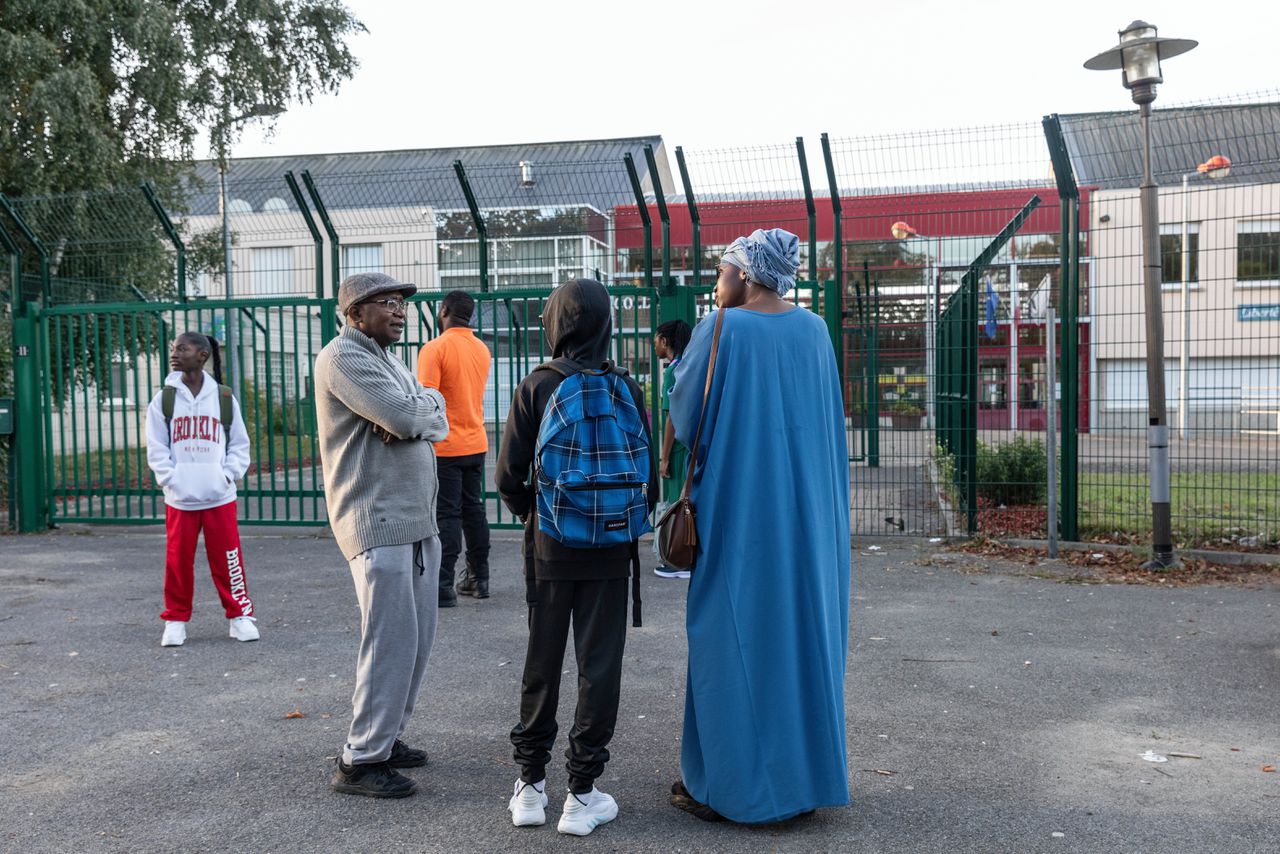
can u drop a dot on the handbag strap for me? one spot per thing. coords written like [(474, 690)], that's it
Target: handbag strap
[(706, 392)]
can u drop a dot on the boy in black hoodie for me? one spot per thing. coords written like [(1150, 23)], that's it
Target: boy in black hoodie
[(585, 586)]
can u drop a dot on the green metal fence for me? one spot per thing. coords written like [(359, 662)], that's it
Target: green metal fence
[(108, 362), (925, 252)]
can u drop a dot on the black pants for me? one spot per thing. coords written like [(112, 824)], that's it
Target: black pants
[(598, 611), (460, 512)]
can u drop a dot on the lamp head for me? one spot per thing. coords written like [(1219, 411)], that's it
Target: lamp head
[(1138, 57)]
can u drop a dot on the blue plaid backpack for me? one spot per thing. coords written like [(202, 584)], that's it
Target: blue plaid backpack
[(591, 462)]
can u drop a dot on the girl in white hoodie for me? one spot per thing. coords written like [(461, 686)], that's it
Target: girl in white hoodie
[(197, 462)]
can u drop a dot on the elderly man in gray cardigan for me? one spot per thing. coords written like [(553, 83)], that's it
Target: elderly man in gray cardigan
[(376, 426)]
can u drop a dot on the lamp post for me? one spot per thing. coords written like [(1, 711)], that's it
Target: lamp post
[(1215, 167), (1138, 57), (220, 135)]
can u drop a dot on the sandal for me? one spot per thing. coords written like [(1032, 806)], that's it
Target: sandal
[(681, 799)]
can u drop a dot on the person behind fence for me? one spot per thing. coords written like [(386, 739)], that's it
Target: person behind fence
[(768, 604), (669, 342), (198, 448), (577, 422), (457, 363), (376, 425)]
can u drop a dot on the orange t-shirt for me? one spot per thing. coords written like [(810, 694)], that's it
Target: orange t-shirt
[(457, 363)]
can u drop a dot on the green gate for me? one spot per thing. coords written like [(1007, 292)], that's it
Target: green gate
[(103, 363)]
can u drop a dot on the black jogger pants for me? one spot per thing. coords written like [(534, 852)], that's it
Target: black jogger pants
[(598, 613)]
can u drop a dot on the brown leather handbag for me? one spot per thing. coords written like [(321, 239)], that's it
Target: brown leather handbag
[(678, 527)]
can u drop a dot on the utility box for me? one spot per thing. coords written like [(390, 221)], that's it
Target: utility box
[(6, 416)]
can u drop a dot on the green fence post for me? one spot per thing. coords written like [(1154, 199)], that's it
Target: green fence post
[(834, 303), (172, 234), (1069, 311), (28, 429), (644, 217), (871, 385), (305, 210), (478, 219), (661, 199), (335, 246), (695, 221), (811, 208)]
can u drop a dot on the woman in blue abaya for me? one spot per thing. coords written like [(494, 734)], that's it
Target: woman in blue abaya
[(768, 608)]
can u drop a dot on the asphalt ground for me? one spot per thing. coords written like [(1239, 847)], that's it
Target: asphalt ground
[(991, 707)]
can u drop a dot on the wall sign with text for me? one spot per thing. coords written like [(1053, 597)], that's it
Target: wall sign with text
[(1257, 312)]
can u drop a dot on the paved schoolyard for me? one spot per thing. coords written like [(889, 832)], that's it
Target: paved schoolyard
[(1010, 708)]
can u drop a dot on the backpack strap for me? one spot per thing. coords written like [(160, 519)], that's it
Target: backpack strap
[(635, 583), (168, 396), (224, 401)]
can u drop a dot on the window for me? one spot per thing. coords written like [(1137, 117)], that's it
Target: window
[(361, 258), (119, 376), (1171, 254), (1258, 252), (280, 374), (272, 271)]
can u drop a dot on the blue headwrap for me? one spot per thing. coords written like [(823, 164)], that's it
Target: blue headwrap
[(770, 258)]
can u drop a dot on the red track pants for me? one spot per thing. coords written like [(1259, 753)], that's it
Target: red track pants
[(221, 545)]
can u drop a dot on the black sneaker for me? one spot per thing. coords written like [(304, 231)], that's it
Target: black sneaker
[(404, 756), (373, 780)]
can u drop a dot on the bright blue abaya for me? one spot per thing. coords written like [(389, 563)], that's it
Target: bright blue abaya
[(768, 611)]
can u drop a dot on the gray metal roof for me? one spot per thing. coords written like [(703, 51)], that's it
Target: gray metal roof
[(1106, 148), (578, 172)]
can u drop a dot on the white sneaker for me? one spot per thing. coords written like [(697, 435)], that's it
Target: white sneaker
[(528, 804), (243, 628), (175, 633), (584, 813)]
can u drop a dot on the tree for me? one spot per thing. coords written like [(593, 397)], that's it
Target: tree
[(100, 93), (103, 94)]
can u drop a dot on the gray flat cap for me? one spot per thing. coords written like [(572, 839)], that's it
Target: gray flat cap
[(358, 287)]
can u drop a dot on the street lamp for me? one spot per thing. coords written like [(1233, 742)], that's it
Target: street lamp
[(1216, 167), (1138, 57), (219, 135)]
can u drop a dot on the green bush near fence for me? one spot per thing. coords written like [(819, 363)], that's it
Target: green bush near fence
[(1012, 473)]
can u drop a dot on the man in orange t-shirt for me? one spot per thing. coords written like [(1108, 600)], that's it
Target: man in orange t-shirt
[(457, 363)]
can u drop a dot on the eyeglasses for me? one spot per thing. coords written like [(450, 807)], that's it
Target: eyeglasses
[(395, 305)]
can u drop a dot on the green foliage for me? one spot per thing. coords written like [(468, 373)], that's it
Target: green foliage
[(115, 92), (1013, 473)]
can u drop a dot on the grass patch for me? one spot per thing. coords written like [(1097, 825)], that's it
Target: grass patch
[(1236, 509)]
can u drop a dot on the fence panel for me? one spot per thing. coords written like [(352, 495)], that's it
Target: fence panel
[(1217, 168), (108, 361)]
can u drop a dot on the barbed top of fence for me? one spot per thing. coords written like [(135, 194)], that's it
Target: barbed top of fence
[(946, 160), (114, 217)]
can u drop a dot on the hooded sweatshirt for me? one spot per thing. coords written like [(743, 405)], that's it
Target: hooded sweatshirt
[(578, 321), (194, 462)]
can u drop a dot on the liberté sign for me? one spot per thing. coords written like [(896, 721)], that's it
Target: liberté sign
[(1257, 312)]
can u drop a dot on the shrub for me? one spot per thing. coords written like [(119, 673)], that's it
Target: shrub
[(1013, 472)]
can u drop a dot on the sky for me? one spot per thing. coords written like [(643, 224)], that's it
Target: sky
[(717, 74)]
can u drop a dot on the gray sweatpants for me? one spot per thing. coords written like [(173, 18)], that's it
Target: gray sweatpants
[(396, 589)]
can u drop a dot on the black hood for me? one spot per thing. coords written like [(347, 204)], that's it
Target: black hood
[(578, 321)]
